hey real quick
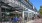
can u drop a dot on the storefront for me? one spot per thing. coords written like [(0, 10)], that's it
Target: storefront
[(19, 9)]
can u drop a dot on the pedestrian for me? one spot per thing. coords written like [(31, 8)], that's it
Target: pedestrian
[(20, 21), (11, 19), (32, 18), (15, 19), (38, 17)]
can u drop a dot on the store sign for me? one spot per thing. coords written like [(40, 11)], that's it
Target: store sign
[(11, 1)]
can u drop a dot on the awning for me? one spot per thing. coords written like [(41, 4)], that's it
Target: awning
[(16, 12)]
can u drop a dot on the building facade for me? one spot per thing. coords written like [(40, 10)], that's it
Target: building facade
[(18, 7)]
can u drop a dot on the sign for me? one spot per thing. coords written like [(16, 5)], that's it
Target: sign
[(11, 1)]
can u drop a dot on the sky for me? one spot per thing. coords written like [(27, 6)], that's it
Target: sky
[(36, 3)]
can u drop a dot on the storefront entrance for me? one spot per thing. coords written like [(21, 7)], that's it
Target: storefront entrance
[(16, 14)]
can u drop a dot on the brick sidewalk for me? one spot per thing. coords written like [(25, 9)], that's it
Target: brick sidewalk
[(38, 21), (5, 22), (35, 21), (30, 21)]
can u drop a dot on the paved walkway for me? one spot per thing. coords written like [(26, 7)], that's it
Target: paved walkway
[(30, 21), (35, 21)]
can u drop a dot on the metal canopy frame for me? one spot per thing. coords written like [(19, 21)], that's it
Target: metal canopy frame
[(6, 5)]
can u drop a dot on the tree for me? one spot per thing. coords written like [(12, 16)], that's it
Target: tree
[(40, 10)]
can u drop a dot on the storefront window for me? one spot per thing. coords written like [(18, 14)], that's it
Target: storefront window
[(29, 15), (25, 15), (2, 10)]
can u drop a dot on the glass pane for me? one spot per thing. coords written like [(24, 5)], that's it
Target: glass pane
[(25, 15), (2, 10)]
